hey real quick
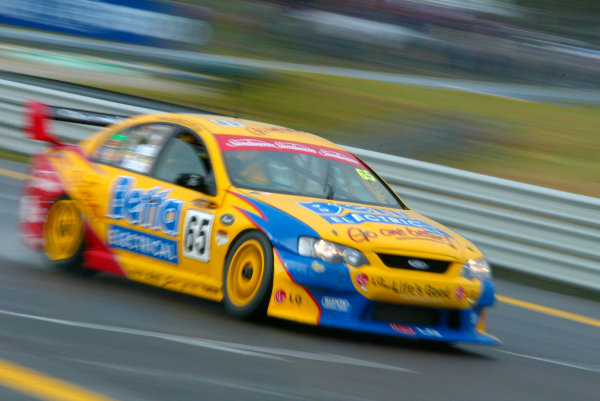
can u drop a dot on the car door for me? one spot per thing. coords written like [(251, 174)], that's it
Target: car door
[(160, 202), (140, 219), (185, 167)]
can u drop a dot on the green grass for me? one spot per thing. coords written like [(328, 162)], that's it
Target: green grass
[(12, 156), (550, 145)]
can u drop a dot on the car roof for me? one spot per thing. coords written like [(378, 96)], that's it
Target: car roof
[(225, 125)]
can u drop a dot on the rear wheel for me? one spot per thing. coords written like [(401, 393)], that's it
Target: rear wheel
[(64, 237), (248, 276)]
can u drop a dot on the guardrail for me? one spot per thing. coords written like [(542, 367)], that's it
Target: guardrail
[(520, 227)]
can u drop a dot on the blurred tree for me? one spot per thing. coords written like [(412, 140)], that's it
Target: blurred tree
[(579, 19)]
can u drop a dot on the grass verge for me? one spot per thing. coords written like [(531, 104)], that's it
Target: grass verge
[(550, 145), (15, 157)]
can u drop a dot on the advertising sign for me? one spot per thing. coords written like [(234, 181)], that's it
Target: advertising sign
[(143, 22)]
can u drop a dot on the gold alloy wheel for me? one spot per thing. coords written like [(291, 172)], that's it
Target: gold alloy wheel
[(246, 272), (63, 230)]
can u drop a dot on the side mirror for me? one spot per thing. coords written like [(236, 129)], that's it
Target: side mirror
[(191, 181)]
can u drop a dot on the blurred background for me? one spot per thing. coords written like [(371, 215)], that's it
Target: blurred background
[(509, 88)]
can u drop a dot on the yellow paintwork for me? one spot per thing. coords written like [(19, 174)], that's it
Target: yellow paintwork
[(416, 288), (396, 285), (90, 185), (63, 230), (298, 304)]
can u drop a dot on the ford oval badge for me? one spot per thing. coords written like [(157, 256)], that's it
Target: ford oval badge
[(418, 264)]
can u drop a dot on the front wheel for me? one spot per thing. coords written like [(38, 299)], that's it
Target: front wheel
[(248, 276)]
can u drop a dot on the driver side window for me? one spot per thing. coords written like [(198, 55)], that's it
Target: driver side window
[(185, 154)]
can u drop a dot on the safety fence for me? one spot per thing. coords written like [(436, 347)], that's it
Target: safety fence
[(520, 227)]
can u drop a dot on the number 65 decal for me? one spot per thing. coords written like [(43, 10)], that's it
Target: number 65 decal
[(196, 235)]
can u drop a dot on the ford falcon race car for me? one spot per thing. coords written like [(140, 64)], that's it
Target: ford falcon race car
[(268, 220)]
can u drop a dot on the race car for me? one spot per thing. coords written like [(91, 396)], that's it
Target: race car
[(268, 220)]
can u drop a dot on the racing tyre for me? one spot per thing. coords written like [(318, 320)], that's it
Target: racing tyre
[(64, 237), (248, 276)]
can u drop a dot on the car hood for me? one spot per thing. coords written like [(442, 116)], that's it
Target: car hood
[(367, 227)]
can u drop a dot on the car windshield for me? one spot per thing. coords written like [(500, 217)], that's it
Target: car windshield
[(308, 175)]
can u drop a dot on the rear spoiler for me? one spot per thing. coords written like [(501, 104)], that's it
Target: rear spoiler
[(37, 115)]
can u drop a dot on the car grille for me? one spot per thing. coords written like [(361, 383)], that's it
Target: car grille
[(406, 314), (414, 263)]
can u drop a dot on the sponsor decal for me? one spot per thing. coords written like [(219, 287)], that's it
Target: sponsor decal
[(204, 204), (149, 209), (88, 118), (227, 219), (414, 233), (336, 155), (30, 210), (317, 266), (429, 332), (336, 304), (198, 227), (142, 243), (118, 137), (279, 296), (228, 123), (359, 235), (235, 142), (365, 174), (85, 191), (168, 281), (337, 209), (460, 293), (411, 289), (47, 181), (295, 299), (406, 330), (221, 237), (275, 145), (362, 280), (249, 143), (474, 317), (338, 213), (294, 147)]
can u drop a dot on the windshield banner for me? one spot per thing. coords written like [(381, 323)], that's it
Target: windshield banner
[(235, 142)]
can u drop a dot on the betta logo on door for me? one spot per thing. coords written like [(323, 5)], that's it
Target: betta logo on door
[(149, 209)]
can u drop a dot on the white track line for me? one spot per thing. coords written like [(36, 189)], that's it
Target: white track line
[(552, 361), (236, 348)]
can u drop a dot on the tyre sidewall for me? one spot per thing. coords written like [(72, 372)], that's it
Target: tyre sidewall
[(257, 307)]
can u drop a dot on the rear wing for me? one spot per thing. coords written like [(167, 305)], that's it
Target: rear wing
[(37, 115)]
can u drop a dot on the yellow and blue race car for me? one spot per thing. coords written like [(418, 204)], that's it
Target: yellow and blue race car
[(266, 219)]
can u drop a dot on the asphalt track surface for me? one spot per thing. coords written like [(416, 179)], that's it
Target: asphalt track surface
[(106, 339)]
